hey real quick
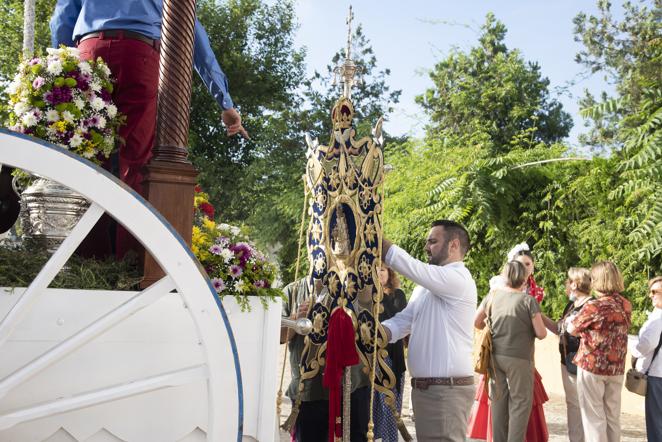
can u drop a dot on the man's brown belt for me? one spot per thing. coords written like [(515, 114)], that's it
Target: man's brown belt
[(424, 383), (122, 34)]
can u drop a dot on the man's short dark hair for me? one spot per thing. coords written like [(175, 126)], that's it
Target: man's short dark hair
[(455, 230)]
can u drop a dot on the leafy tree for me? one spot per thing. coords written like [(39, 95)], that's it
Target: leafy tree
[(629, 52), (11, 39), (478, 169), (492, 89), (253, 42), (490, 112), (11, 34)]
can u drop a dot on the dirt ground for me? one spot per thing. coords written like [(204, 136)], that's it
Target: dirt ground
[(633, 426)]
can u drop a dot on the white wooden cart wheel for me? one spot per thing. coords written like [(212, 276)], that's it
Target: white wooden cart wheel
[(212, 365)]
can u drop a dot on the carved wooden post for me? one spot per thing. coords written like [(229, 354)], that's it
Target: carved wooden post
[(170, 177)]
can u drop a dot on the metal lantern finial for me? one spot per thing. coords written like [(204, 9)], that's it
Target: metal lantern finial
[(348, 21), (348, 69)]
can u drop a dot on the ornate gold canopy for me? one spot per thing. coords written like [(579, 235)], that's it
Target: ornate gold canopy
[(344, 180)]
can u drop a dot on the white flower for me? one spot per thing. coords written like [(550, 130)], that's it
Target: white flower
[(79, 103), (68, 116), (87, 153), (97, 103), (12, 88), (74, 52), (227, 255), (85, 68), (111, 110), (75, 141), (53, 51), (29, 119), (20, 108), (101, 122), (224, 226), (52, 115), (54, 67), (235, 230), (515, 250), (240, 285), (95, 86), (104, 68)]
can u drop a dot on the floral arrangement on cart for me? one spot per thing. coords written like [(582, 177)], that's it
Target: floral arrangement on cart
[(66, 101), (234, 265)]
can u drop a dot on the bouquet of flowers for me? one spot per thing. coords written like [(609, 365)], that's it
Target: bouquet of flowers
[(232, 262), (66, 101)]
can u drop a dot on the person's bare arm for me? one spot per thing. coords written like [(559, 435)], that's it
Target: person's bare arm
[(388, 334), (551, 325), (539, 326), (386, 245), (479, 319)]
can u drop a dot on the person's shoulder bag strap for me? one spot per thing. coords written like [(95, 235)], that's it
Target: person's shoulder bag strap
[(657, 349)]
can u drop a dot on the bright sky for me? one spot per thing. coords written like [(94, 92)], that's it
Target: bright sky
[(409, 37)]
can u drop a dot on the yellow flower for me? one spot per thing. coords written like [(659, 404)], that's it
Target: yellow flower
[(200, 198), (209, 224), (60, 126)]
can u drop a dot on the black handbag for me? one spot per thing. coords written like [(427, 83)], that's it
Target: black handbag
[(569, 365), (568, 356)]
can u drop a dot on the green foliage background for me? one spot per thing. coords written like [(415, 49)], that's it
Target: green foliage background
[(492, 118)]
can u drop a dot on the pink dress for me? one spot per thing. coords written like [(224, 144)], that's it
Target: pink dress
[(480, 420)]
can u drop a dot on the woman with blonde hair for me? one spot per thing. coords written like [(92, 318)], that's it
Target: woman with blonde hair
[(646, 350), (602, 325), (578, 290), (515, 322)]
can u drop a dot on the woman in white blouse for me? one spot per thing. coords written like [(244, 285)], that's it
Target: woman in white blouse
[(644, 350)]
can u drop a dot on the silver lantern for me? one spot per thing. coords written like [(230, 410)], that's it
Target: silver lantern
[(49, 211)]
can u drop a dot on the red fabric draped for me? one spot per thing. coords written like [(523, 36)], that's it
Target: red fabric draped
[(535, 290), (340, 353)]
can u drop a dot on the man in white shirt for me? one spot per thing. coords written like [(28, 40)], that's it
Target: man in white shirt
[(439, 319)]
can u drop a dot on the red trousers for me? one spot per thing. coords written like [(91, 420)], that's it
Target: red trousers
[(135, 67)]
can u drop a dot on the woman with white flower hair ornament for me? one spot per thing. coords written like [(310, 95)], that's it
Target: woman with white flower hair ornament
[(480, 420)]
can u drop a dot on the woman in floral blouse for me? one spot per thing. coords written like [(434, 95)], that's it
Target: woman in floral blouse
[(602, 325)]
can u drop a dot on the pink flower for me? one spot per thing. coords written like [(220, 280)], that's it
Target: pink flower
[(235, 271), (215, 249), (219, 284), (38, 82), (243, 251), (261, 284)]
